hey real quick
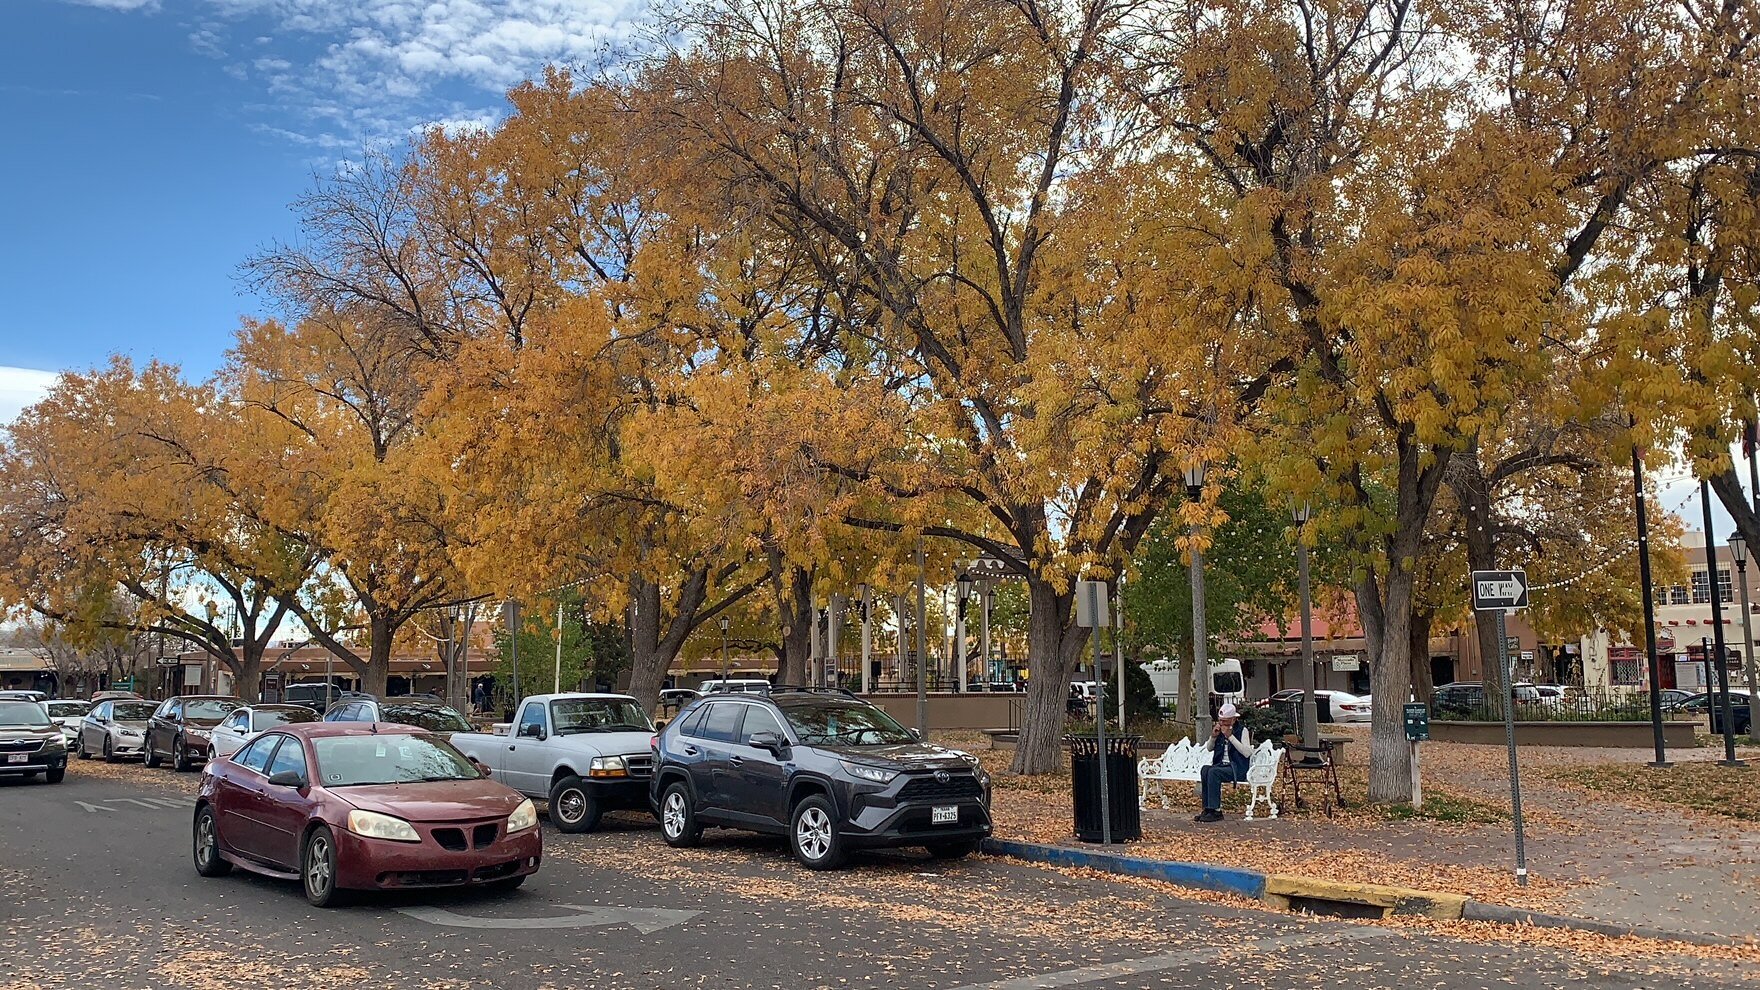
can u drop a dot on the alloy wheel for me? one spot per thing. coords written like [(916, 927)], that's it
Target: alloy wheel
[(318, 869), (672, 816), (205, 844), (812, 833)]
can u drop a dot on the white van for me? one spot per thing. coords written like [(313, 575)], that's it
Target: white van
[(1228, 682), (736, 685)]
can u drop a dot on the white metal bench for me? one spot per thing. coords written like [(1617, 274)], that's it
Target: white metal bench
[(1183, 762)]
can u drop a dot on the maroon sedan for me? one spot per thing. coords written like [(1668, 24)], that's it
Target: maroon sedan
[(347, 806)]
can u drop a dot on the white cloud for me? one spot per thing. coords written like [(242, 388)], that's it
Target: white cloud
[(21, 387), (359, 71)]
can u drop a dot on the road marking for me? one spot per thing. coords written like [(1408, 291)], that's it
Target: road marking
[(645, 920), (151, 804), (1209, 955)]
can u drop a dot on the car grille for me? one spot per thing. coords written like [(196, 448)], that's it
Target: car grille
[(454, 838), (450, 838), (484, 835), (641, 764), (927, 788), (424, 878), (20, 745)]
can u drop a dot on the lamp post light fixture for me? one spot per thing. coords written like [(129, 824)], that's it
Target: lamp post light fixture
[(1310, 728), (1200, 674), (1738, 551), (724, 622)]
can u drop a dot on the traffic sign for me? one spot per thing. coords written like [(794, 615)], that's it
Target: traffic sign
[(1417, 721), (1498, 590), (1091, 608)]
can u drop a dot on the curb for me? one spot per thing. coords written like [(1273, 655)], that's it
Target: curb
[(1481, 911), (1286, 892), (1226, 879)]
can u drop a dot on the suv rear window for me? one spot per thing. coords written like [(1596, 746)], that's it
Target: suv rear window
[(721, 722)]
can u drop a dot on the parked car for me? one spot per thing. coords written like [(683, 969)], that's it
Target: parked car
[(584, 753), (319, 697), (30, 744), (251, 721), (116, 728), (678, 696), (67, 714), (1671, 698), (824, 768), (17, 695), (1468, 697), (345, 806), (179, 729), (98, 696), (1329, 705), (736, 685), (431, 716), (1699, 704)]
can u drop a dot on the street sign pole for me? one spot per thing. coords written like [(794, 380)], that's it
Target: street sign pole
[(1509, 733), (1502, 592)]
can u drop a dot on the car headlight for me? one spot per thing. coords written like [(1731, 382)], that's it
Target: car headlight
[(129, 733), (523, 817), (55, 742), (199, 735), (608, 766), (373, 825), (862, 771)]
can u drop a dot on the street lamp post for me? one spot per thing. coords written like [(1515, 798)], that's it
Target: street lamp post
[(1729, 729), (866, 594), (1738, 549), (959, 629), (922, 646), (724, 621), (1310, 712), (1200, 650), (1649, 597)]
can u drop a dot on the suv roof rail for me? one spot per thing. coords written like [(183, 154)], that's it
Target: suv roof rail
[(805, 689)]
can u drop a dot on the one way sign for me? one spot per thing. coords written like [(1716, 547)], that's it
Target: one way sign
[(1494, 590)]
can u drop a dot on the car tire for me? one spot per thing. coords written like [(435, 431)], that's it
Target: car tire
[(205, 844), (678, 820), (151, 757), (317, 869), (109, 750), (80, 747), (953, 850), (56, 775), (813, 834), (572, 808), (179, 756)]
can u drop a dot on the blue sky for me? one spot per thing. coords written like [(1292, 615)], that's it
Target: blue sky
[(153, 145)]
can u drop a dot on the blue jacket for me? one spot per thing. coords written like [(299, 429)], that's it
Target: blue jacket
[(1236, 758)]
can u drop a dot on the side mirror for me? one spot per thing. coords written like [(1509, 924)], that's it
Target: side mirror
[(531, 732), (482, 768), (769, 741), (288, 778), (916, 734)]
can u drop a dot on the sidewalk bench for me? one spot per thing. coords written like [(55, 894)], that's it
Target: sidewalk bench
[(1183, 762)]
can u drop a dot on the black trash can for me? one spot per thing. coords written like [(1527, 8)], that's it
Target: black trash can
[(1121, 787)]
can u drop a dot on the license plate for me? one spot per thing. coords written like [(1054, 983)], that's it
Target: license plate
[(25, 758), (944, 816)]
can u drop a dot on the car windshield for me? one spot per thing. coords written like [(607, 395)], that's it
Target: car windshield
[(213, 709), (844, 723), (387, 758), (598, 715), (68, 709), (22, 713), (269, 718), (434, 718), (133, 711)]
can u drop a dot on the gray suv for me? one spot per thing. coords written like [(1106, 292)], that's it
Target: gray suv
[(823, 768)]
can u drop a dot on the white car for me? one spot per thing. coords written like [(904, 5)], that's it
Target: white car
[(737, 685), (248, 722), (1341, 705), (67, 714)]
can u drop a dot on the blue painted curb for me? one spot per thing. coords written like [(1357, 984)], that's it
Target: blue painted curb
[(1246, 883)]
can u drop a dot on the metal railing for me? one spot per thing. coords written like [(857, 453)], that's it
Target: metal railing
[(1577, 705)]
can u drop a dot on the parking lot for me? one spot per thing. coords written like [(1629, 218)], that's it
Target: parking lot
[(99, 890)]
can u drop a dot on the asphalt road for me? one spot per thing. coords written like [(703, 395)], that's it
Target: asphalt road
[(97, 890)]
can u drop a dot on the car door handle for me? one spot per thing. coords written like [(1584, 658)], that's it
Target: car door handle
[(738, 761), (690, 751)]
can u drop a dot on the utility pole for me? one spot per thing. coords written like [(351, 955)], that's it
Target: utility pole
[(922, 647)]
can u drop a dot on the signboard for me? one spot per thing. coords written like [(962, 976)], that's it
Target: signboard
[(1513, 644), (1347, 663), (1417, 721), (1527, 654), (1091, 605), (1495, 590), (168, 662)]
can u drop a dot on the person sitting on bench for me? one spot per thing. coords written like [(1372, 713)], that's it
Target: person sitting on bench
[(1231, 750)]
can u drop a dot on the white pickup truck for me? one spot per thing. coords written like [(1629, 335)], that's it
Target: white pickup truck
[(584, 753)]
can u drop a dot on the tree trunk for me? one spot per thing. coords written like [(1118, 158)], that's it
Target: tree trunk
[(1467, 479), (655, 641), (1390, 771), (378, 669), (1054, 648), (794, 606), (1423, 684)]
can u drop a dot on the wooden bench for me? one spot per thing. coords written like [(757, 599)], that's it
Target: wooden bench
[(1184, 762)]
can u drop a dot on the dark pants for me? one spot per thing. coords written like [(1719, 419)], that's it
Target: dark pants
[(1211, 777)]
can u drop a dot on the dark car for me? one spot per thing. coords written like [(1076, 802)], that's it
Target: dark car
[(346, 807), (418, 712), (827, 770), (30, 743), (319, 696), (179, 729)]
